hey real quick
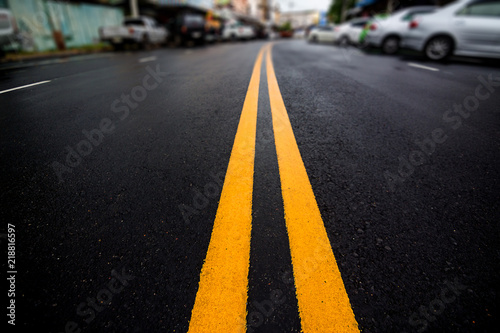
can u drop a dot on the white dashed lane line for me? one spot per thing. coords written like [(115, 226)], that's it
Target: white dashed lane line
[(22, 87), (411, 64), (147, 59)]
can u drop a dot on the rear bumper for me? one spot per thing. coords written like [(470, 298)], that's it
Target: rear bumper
[(120, 39), (194, 35)]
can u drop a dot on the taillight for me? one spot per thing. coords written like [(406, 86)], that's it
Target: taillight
[(184, 29), (413, 24), (131, 30), (373, 27)]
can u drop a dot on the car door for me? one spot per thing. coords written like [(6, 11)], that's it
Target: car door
[(148, 30), (158, 32), (151, 30), (477, 26), (327, 34), (321, 34)]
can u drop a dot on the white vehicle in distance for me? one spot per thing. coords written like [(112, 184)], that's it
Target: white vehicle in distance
[(235, 30), (142, 30), (464, 28), (299, 33), (348, 32), (322, 34), (387, 33)]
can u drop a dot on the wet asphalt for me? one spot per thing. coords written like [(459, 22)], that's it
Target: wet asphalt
[(112, 171)]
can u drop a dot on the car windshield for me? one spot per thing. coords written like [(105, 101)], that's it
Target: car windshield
[(411, 15), (359, 23), (193, 20), (134, 22)]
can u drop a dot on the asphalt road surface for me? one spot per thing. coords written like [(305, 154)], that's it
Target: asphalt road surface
[(242, 186)]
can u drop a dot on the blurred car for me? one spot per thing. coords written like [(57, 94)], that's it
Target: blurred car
[(309, 28), (299, 33), (286, 33), (235, 30), (8, 29), (322, 34), (386, 33), (142, 30), (366, 28), (465, 27), (262, 33), (186, 27), (349, 32)]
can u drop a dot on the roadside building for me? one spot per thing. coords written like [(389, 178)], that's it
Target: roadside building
[(260, 14), (300, 19)]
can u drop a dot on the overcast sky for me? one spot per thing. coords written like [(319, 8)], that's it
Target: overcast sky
[(303, 4)]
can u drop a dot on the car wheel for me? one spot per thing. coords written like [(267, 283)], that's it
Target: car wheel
[(439, 48), (314, 39), (344, 41), (390, 45), (118, 47), (177, 40), (146, 44)]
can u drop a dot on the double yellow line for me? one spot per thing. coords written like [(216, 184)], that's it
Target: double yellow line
[(221, 301)]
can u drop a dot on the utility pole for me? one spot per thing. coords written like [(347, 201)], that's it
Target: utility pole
[(134, 9), (265, 10), (390, 6), (343, 10), (54, 26)]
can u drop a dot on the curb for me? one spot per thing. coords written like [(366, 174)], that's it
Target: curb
[(12, 58)]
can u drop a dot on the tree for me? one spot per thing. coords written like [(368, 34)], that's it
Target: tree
[(287, 26), (338, 8)]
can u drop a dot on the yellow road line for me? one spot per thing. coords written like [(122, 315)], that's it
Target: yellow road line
[(323, 302), (221, 301)]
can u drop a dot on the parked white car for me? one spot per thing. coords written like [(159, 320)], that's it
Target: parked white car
[(349, 32), (235, 30), (465, 28), (142, 30), (387, 33), (323, 34)]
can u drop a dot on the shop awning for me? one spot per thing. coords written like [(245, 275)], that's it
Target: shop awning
[(364, 3)]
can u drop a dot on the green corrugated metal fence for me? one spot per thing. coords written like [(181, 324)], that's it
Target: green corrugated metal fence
[(79, 23)]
